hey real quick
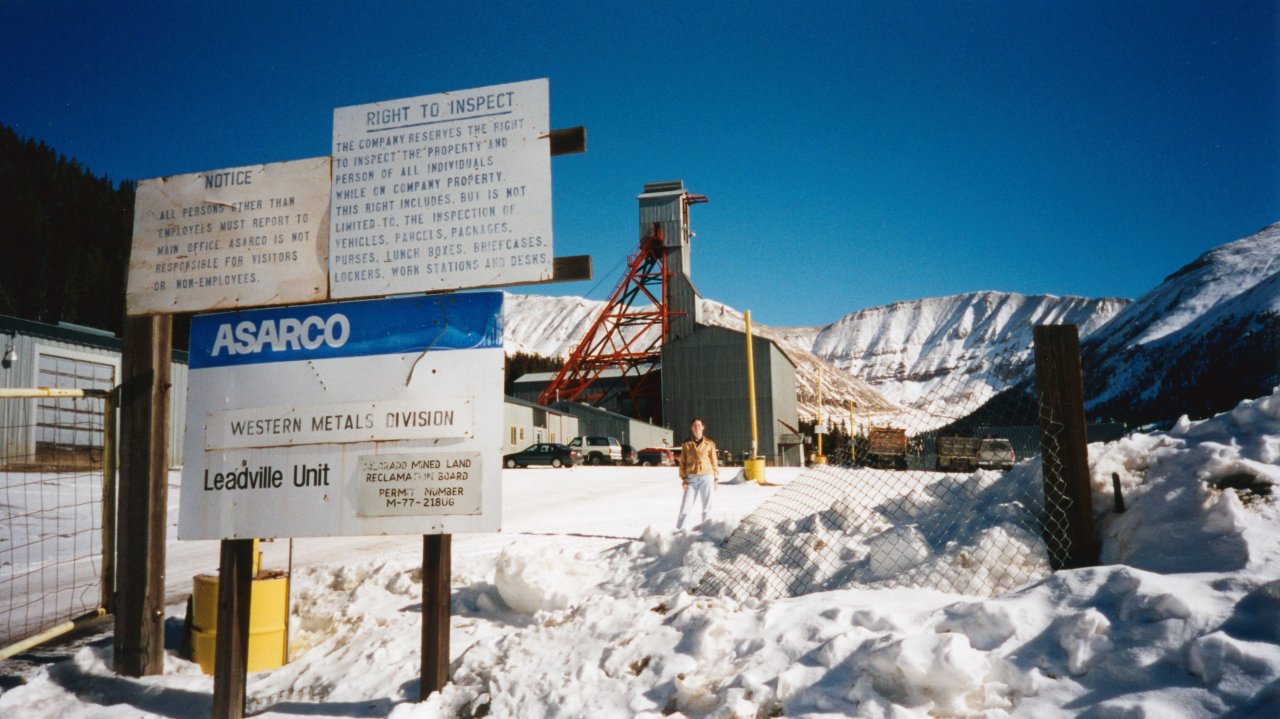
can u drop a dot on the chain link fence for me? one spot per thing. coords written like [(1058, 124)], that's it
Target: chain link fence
[(954, 502), (55, 451)]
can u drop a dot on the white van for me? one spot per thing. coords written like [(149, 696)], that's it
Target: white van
[(598, 450)]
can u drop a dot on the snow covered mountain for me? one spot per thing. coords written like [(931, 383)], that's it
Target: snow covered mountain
[(948, 351), (1205, 338), (925, 355)]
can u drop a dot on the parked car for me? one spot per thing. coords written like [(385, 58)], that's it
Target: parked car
[(656, 457), (996, 453), (598, 450), (556, 455)]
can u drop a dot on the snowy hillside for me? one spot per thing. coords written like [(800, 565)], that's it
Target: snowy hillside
[(587, 613), (913, 352), (926, 355), (1199, 341)]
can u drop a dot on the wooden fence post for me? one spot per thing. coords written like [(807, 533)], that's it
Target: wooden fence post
[(143, 493), (1063, 445), (437, 568), (231, 643)]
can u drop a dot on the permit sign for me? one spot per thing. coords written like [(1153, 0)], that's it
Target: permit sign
[(442, 192), (237, 237), (345, 419)]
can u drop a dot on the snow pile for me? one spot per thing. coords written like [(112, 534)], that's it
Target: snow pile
[(837, 527), (530, 582), (578, 624)]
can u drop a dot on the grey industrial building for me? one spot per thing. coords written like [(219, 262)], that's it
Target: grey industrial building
[(595, 421), (704, 368), (44, 430), (529, 423), (705, 375)]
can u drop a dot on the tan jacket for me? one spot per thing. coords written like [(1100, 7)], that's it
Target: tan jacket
[(699, 458)]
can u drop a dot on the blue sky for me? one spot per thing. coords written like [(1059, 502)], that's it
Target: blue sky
[(855, 153)]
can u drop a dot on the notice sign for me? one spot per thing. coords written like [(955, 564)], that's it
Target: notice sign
[(240, 237), (345, 419), (415, 484), (442, 192)]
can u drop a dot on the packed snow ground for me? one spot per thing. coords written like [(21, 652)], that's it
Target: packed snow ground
[(578, 610)]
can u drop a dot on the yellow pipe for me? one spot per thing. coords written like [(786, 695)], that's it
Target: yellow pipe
[(819, 457), (751, 387), (819, 411), (58, 392), (51, 633), (753, 467)]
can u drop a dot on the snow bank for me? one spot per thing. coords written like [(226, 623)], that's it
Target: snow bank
[(532, 582), (572, 626)]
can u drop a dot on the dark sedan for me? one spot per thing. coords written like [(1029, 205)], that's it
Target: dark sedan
[(556, 455)]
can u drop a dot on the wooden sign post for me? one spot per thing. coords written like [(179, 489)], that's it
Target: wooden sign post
[(254, 236), (143, 493)]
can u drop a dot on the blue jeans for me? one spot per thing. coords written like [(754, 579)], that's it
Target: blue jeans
[(699, 487)]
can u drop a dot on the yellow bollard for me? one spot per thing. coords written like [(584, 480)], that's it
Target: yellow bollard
[(753, 468)]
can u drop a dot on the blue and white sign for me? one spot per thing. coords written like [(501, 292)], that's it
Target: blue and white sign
[(355, 418)]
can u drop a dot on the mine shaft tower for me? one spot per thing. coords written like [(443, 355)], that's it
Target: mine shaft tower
[(654, 303)]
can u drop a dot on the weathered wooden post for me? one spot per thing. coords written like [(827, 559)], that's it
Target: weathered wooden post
[(437, 571), (1063, 445), (235, 586), (143, 494)]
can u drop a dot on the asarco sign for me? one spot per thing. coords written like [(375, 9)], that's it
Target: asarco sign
[(356, 418)]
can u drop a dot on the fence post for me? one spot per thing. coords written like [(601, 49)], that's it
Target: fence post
[(110, 444), (231, 642), (1063, 446), (143, 492), (437, 568)]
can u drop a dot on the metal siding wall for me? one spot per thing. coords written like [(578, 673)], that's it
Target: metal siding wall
[(705, 375), (518, 416), (643, 435), (785, 405), (177, 412), (18, 416)]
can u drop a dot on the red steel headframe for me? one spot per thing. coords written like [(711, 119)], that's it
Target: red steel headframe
[(623, 336)]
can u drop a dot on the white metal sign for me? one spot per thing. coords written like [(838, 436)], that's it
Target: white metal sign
[(342, 419), (239, 237), (442, 192)]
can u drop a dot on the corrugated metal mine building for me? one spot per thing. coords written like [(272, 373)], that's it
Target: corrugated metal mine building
[(66, 355)]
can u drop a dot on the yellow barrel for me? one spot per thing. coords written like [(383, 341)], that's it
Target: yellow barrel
[(268, 621), (753, 470)]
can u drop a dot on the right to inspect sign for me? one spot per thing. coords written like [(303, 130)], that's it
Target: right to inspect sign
[(441, 192)]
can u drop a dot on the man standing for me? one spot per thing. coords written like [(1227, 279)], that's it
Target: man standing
[(699, 471)]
